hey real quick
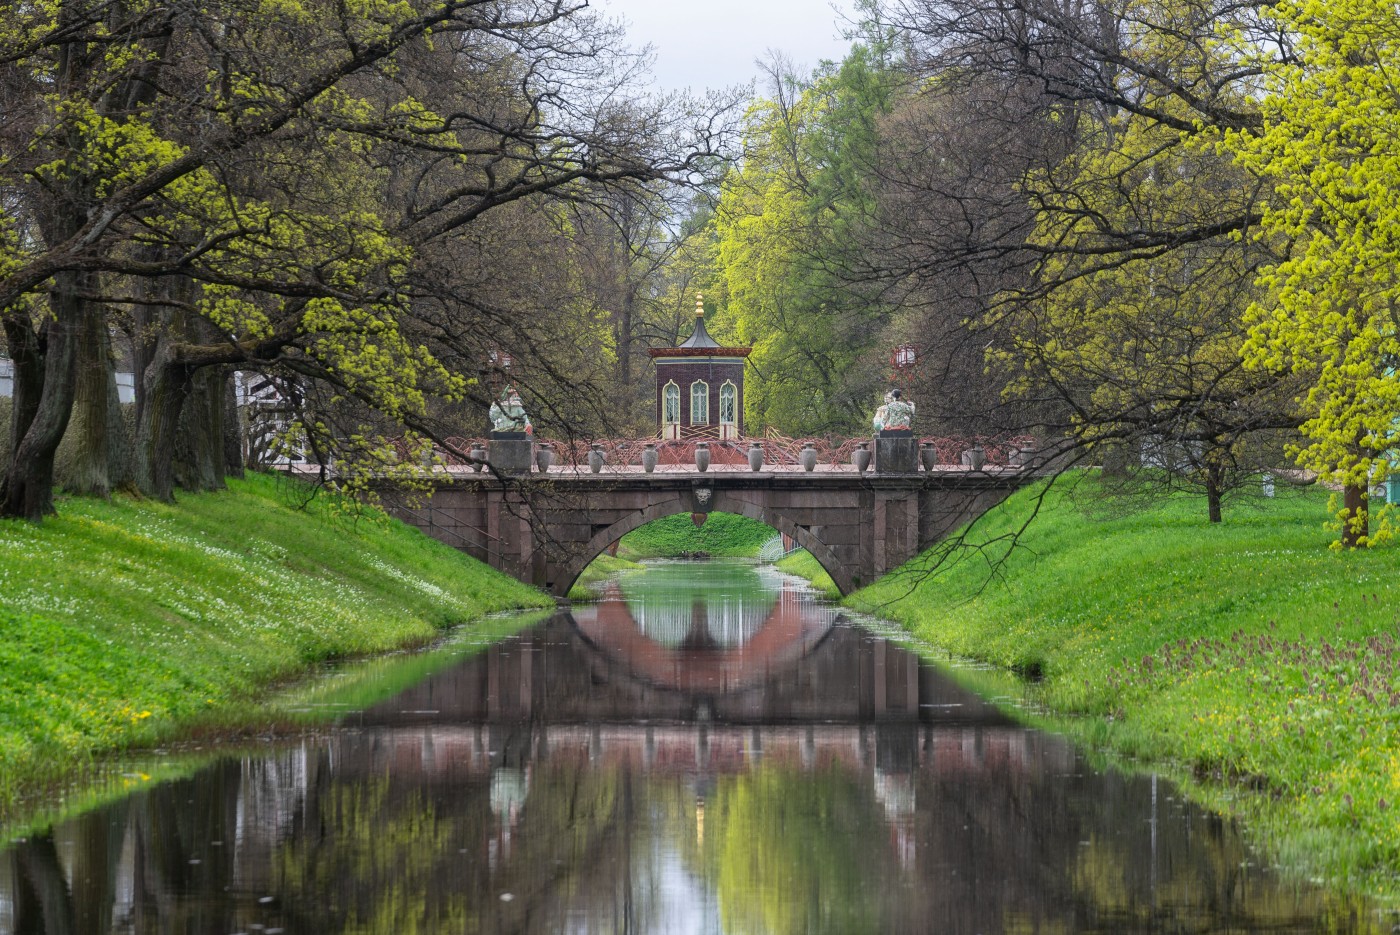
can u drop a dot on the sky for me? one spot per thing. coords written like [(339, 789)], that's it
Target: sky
[(716, 44)]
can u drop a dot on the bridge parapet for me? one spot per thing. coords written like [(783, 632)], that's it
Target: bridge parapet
[(779, 452)]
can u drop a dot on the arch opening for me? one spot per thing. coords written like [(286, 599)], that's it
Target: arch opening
[(675, 506)]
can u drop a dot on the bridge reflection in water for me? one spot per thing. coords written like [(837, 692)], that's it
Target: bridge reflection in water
[(714, 759)]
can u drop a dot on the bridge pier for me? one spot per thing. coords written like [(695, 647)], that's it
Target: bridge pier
[(544, 529)]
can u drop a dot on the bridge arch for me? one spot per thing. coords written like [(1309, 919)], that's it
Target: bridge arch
[(722, 504), (858, 526)]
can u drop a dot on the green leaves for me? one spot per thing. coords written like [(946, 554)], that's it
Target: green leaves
[(788, 223), (1331, 147)]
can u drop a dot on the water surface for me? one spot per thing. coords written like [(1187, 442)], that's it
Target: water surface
[(708, 750)]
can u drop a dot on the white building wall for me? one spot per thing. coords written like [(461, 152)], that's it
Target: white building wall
[(126, 382)]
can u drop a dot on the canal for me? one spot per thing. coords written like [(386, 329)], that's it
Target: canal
[(708, 749)]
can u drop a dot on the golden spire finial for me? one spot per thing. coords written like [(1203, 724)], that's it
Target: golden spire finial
[(699, 305)]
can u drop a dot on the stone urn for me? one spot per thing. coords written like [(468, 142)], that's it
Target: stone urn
[(755, 457), (544, 457), (861, 457), (928, 455), (702, 456), (650, 456), (974, 457), (596, 458), (477, 457), (807, 457)]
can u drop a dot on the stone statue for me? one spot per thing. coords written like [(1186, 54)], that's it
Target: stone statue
[(896, 415), (508, 414)]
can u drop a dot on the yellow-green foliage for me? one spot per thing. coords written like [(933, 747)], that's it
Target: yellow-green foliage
[(121, 619), (786, 215), (1331, 148), (1156, 326), (1243, 650), (760, 230), (315, 227)]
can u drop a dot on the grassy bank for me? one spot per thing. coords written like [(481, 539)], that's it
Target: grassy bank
[(598, 570), (326, 695), (802, 564), (723, 534), (123, 620), (1247, 657)]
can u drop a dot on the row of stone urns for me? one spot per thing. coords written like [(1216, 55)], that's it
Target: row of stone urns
[(974, 458)]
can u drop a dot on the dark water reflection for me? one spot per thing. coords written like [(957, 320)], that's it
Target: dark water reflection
[(719, 758)]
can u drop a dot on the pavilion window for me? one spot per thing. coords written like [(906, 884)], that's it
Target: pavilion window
[(699, 403), (728, 408), (671, 406)]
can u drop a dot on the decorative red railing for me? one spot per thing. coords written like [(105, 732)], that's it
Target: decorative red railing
[(779, 451)]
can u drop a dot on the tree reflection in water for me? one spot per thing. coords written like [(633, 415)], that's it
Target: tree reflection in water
[(796, 775)]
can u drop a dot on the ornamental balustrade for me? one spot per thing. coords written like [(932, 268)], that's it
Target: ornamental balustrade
[(780, 452)]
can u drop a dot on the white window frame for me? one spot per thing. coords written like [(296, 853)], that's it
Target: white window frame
[(703, 411), (667, 412), (729, 428)]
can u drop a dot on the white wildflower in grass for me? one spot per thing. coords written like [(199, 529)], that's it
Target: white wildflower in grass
[(427, 587)]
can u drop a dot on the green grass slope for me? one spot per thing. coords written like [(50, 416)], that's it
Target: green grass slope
[(598, 571), (804, 565), (122, 619), (723, 534), (1248, 653)]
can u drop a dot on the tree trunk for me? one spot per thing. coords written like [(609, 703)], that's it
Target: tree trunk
[(1356, 520), (1116, 458), (166, 384), (199, 448), (233, 430), (27, 355), (27, 490), (119, 430), (624, 337), (93, 456), (145, 325), (1214, 483)]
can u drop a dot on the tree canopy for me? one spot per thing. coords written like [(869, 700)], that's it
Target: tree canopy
[(292, 187), (1330, 148), (1158, 237)]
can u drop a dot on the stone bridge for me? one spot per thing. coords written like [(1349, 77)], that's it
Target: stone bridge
[(544, 528)]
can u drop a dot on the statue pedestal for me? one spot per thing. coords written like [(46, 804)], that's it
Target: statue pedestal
[(510, 452), (896, 452)]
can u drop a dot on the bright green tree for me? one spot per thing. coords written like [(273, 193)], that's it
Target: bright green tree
[(787, 224), (1330, 145)]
